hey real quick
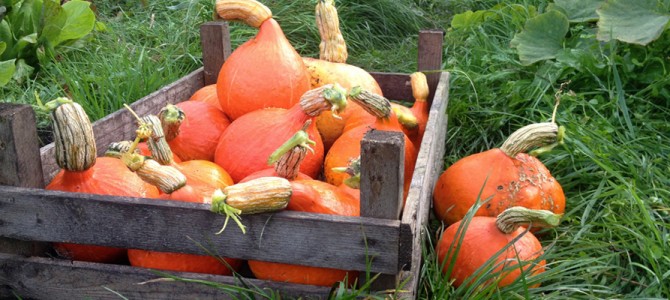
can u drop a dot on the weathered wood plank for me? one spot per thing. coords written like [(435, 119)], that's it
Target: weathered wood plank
[(215, 41), (382, 169), (45, 278), (428, 168), (19, 147), (121, 125), (19, 163), (395, 86), (430, 57), (287, 236)]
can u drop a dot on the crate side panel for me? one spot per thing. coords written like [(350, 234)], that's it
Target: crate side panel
[(121, 125), (395, 86), (44, 278), (161, 225)]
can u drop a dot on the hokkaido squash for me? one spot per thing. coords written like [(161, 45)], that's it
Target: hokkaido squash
[(248, 142), (203, 175), (207, 94), (414, 128), (506, 175), (484, 236), (192, 129), (174, 186), (263, 72), (82, 172), (347, 147)]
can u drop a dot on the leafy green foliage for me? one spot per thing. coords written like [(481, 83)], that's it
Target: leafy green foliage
[(541, 38), (638, 22), (31, 32)]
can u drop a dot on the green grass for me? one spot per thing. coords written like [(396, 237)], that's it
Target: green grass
[(613, 241)]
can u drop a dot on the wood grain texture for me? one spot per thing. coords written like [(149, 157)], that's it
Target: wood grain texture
[(395, 86), (19, 163), (382, 169), (430, 57), (428, 168), (45, 278), (215, 41), (121, 125), (19, 147), (126, 222)]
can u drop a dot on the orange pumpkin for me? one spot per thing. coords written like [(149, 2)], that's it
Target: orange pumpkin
[(207, 94), (484, 237), (506, 175), (263, 72)]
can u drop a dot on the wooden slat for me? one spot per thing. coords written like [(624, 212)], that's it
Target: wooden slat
[(19, 163), (215, 41), (287, 237), (382, 181), (428, 168), (121, 125), (395, 86), (44, 278), (430, 57)]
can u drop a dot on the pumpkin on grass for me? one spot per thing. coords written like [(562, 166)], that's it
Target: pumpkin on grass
[(499, 244), (82, 172), (507, 175), (265, 71)]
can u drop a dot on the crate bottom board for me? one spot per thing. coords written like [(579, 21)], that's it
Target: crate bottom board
[(50, 278)]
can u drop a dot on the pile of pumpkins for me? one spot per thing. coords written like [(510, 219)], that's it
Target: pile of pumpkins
[(283, 127)]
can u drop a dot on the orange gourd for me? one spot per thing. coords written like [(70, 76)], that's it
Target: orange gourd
[(420, 108), (484, 237), (247, 143), (207, 94), (82, 172), (347, 147), (174, 186), (506, 175), (263, 72), (192, 129)]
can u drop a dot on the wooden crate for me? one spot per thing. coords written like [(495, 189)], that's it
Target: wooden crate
[(386, 238)]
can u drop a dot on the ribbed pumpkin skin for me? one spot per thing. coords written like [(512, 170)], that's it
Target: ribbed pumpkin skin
[(245, 146), (199, 133), (521, 181), (265, 71), (316, 197), (207, 94), (109, 176), (182, 262), (482, 240)]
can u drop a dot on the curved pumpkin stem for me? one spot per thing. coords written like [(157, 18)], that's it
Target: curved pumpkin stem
[(406, 117), (251, 12), (166, 178), (74, 141), (291, 153), (332, 48), (171, 117), (529, 136), (374, 104), (160, 149), (354, 171), (116, 149), (327, 97), (510, 219), (220, 206)]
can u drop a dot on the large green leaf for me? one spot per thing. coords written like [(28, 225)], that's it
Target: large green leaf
[(637, 22), (3, 46), (578, 10), (7, 69), (469, 19), (541, 37), (80, 20), (54, 19), (6, 35), (22, 43)]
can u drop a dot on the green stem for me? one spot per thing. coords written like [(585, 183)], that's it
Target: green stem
[(529, 136), (220, 206), (510, 219), (299, 139)]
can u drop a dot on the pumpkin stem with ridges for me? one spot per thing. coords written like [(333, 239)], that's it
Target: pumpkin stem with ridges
[(116, 149), (529, 136), (332, 47), (251, 12), (288, 157), (166, 178), (171, 117), (74, 141), (510, 219), (354, 171), (327, 97), (220, 206), (374, 104), (142, 132), (160, 149)]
